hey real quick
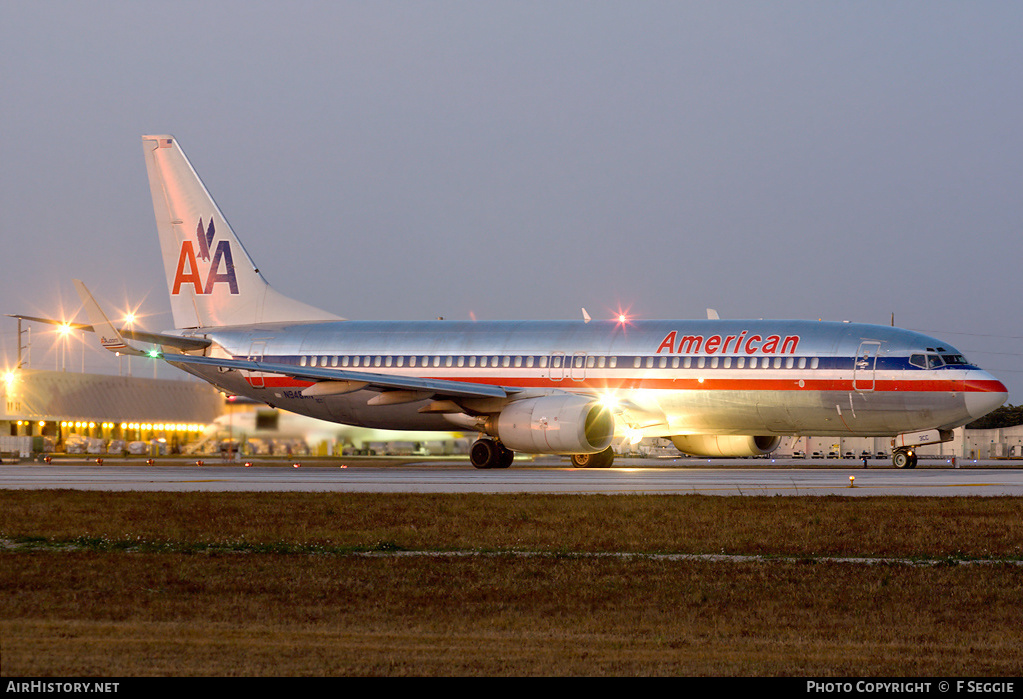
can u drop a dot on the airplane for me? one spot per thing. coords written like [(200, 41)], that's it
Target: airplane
[(714, 387)]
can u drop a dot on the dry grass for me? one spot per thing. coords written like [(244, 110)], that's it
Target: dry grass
[(112, 584)]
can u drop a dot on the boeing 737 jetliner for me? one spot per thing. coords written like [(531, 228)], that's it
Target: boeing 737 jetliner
[(714, 387)]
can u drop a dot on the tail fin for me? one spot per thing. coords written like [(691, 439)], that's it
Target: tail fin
[(211, 279)]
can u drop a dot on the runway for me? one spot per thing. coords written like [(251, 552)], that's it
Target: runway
[(550, 476)]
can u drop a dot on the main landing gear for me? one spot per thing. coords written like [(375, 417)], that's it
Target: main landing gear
[(486, 453), (904, 458), (489, 453)]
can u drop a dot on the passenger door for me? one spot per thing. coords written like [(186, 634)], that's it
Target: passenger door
[(864, 365)]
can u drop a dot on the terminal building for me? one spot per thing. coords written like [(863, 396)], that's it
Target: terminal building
[(59, 411)]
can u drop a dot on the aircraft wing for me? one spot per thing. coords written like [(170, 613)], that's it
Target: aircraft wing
[(346, 381)]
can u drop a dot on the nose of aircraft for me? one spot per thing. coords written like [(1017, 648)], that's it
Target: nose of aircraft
[(984, 393)]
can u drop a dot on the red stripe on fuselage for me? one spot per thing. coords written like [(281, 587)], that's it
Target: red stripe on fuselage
[(706, 384)]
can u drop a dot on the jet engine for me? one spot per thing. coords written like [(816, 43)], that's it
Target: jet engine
[(725, 445), (558, 424)]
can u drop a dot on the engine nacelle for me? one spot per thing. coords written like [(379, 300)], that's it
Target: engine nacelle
[(558, 424), (725, 444)]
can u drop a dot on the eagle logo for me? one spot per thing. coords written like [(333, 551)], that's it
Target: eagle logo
[(218, 270)]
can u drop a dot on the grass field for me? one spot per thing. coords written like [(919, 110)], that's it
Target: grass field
[(237, 584)]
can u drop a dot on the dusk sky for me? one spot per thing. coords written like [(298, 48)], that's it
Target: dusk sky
[(506, 160)]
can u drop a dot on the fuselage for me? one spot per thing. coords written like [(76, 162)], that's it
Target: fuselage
[(727, 377)]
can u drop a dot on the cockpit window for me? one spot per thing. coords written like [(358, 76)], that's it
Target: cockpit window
[(934, 361)]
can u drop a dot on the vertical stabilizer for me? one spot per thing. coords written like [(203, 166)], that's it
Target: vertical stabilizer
[(211, 279)]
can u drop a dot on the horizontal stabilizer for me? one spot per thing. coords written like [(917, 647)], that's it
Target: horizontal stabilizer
[(109, 337)]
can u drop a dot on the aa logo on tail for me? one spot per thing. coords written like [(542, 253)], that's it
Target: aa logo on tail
[(205, 278)]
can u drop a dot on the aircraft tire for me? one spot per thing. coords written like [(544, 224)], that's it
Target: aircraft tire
[(486, 453), (602, 459)]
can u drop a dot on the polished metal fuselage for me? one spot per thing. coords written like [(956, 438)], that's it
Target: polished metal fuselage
[(740, 377)]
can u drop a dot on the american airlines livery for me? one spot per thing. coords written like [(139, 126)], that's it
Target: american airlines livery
[(713, 387)]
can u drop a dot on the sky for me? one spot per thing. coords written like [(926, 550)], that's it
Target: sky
[(507, 160)]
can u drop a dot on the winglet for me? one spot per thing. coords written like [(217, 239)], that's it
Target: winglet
[(109, 336)]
